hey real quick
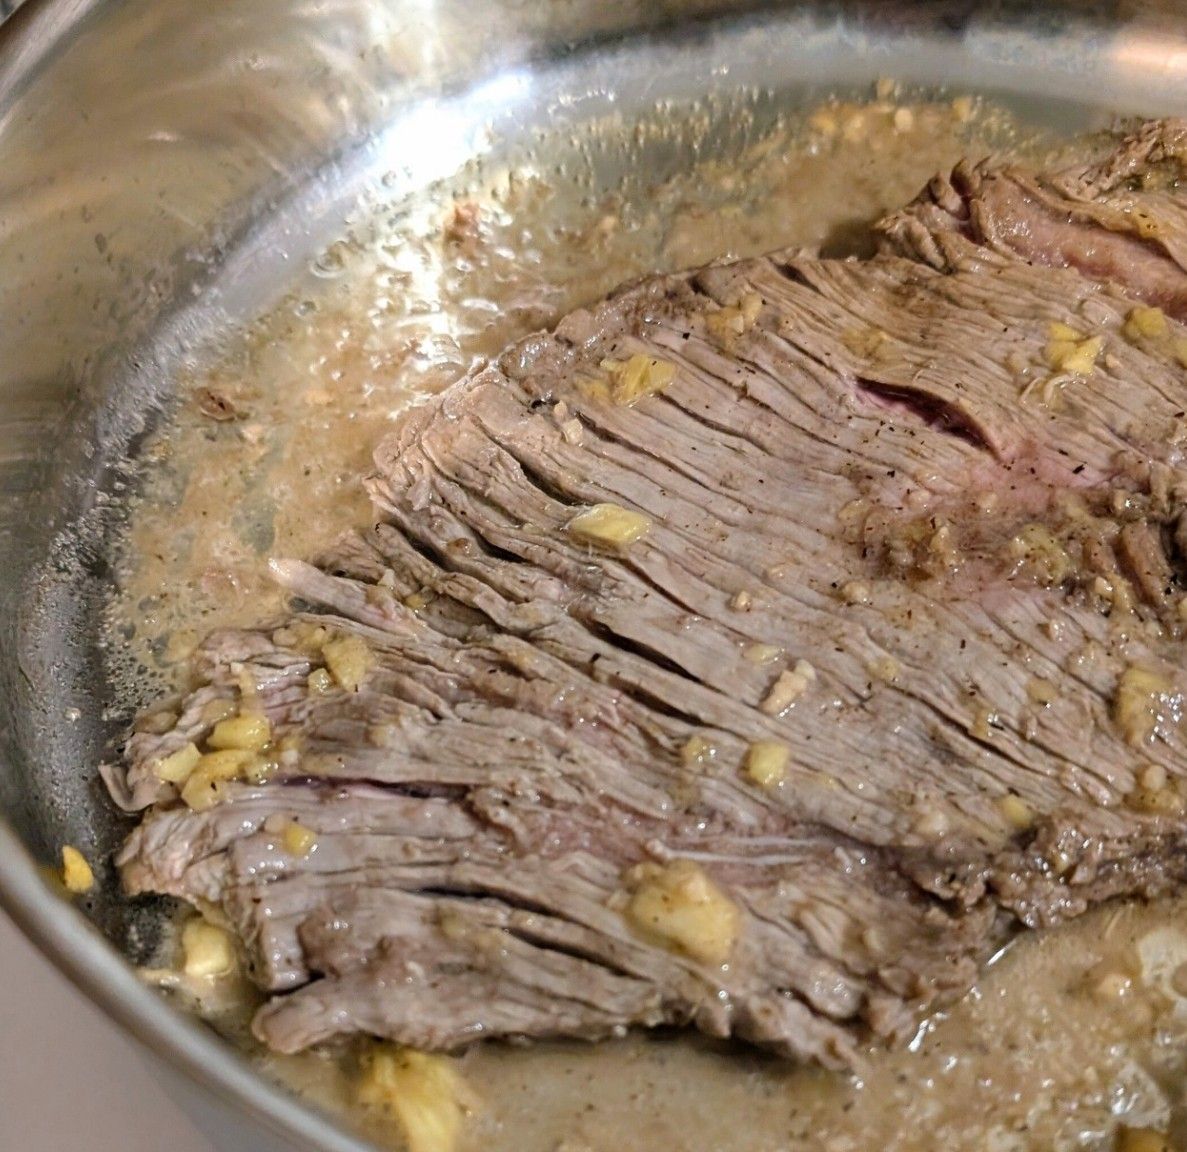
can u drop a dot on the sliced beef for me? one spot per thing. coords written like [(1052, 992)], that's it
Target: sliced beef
[(1120, 220), (885, 538)]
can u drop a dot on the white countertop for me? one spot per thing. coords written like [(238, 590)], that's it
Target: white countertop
[(69, 1082)]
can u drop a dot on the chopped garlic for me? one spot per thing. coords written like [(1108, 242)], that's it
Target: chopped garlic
[(1145, 322), (1069, 351), (729, 322), (177, 766), (697, 750), (205, 785), (1152, 776), (1156, 801), (904, 120), (766, 762), (319, 682), (788, 688), (963, 108), (77, 875), (1044, 558), (762, 653), (1041, 692), (425, 1094), (609, 526), (1142, 700), (1018, 814), (743, 601), (856, 592), (250, 732), (297, 839), (884, 668), (680, 905), (349, 660), (208, 951), (637, 377)]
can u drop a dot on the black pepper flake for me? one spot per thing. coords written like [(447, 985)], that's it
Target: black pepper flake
[(1078, 469)]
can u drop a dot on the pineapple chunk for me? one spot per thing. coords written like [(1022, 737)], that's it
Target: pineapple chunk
[(177, 766), (208, 951), (349, 660), (297, 839), (681, 906), (609, 526), (251, 732), (76, 872), (425, 1094), (766, 762), (637, 377)]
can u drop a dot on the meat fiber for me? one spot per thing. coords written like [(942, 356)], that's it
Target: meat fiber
[(875, 648)]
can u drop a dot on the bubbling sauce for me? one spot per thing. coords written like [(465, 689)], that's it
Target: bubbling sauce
[(1068, 1036)]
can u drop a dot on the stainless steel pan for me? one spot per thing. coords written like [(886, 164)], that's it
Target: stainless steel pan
[(165, 165)]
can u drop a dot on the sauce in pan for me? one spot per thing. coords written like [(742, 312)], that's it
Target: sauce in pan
[(1074, 1039)]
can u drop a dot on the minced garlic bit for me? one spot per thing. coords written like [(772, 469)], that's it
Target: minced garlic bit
[(250, 732), (1041, 692), (964, 107), (206, 784), (609, 526), (1163, 801), (762, 653), (208, 951), (1070, 351), (743, 601), (884, 668), (177, 766), (298, 840), (77, 874), (637, 377), (1147, 323), (697, 750), (856, 592), (348, 660), (788, 688), (424, 1093), (680, 905), (319, 682), (766, 762), (1144, 698), (1040, 555), (1017, 813), (729, 322)]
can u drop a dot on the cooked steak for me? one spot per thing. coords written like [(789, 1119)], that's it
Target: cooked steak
[(758, 650)]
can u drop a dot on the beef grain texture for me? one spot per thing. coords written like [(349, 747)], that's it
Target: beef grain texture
[(882, 476)]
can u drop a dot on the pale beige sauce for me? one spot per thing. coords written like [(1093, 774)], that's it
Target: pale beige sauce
[(1066, 1034)]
